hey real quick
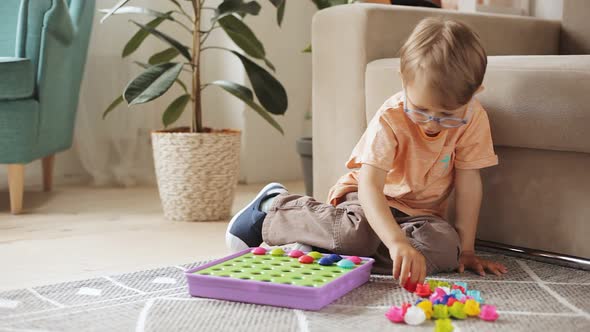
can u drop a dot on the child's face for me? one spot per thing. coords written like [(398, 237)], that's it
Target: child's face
[(418, 97)]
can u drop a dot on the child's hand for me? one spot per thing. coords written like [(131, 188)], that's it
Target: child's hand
[(407, 261), (470, 261)]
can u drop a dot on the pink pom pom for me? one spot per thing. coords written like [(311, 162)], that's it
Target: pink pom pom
[(258, 251), (488, 312), (395, 314), (355, 259), (296, 253)]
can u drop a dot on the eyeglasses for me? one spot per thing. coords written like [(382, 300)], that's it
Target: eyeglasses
[(423, 117)]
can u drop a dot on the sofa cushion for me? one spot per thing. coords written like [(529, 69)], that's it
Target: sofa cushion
[(538, 102), (17, 78), (8, 26)]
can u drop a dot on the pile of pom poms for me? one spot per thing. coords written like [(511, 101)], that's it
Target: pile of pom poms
[(442, 301)]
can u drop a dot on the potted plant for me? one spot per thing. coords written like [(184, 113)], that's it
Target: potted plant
[(197, 167)]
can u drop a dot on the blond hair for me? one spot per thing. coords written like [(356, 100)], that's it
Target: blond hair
[(449, 55)]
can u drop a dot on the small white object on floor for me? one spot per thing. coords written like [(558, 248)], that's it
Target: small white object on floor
[(164, 280), (89, 291), (8, 304), (414, 316)]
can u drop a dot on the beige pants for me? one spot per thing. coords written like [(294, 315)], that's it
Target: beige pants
[(344, 229)]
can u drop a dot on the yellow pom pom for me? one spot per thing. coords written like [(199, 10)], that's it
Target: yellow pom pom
[(471, 308), (315, 255), (426, 306)]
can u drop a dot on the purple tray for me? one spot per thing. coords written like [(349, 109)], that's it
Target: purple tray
[(275, 294)]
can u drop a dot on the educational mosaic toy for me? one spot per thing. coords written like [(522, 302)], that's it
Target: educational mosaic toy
[(293, 280), (442, 301)]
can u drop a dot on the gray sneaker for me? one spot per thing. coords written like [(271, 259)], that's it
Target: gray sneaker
[(245, 228)]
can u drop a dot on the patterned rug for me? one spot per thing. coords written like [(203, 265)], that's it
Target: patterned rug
[(533, 296)]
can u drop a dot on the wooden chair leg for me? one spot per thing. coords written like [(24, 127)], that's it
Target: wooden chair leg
[(47, 163), (16, 184)]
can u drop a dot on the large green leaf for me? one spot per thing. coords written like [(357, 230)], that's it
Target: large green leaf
[(269, 64), (114, 9), (322, 4), (138, 38), (269, 91), (247, 97), (152, 83), (146, 66), (280, 5), (175, 109), (340, 2), (240, 7), (239, 32), (164, 37), (112, 106), (164, 56)]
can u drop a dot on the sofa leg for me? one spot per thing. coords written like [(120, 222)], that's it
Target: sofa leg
[(16, 177), (47, 163)]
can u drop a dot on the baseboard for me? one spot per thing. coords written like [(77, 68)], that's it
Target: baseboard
[(535, 254)]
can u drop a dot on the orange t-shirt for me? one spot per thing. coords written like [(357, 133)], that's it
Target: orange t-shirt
[(420, 169)]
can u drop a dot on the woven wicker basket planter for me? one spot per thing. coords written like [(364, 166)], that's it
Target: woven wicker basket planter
[(197, 173)]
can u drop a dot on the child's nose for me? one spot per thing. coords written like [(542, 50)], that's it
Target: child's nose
[(432, 126)]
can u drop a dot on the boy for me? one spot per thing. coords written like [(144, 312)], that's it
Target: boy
[(425, 141)]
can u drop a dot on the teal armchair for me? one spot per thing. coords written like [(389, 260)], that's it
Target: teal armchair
[(43, 46)]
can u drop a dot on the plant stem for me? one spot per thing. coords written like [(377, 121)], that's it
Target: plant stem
[(197, 116)]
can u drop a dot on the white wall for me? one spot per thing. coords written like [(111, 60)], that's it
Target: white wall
[(549, 9), (220, 109), (268, 156)]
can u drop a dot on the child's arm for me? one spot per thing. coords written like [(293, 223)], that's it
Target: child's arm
[(405, 258), (468, 191)]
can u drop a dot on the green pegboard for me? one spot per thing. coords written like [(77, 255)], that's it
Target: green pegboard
[(276, 269)]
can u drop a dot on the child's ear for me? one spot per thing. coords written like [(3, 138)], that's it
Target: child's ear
[(401, 77), (480, 89)]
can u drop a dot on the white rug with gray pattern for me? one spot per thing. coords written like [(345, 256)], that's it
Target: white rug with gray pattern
[(533, 296)]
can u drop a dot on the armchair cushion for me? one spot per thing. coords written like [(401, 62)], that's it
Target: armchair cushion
[(8, 26), (17, 78), (537, 102)]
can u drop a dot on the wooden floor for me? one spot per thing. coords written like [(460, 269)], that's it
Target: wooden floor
[(80, 232)]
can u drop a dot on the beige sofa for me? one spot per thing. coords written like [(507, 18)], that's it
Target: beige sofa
[(537, 98)]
